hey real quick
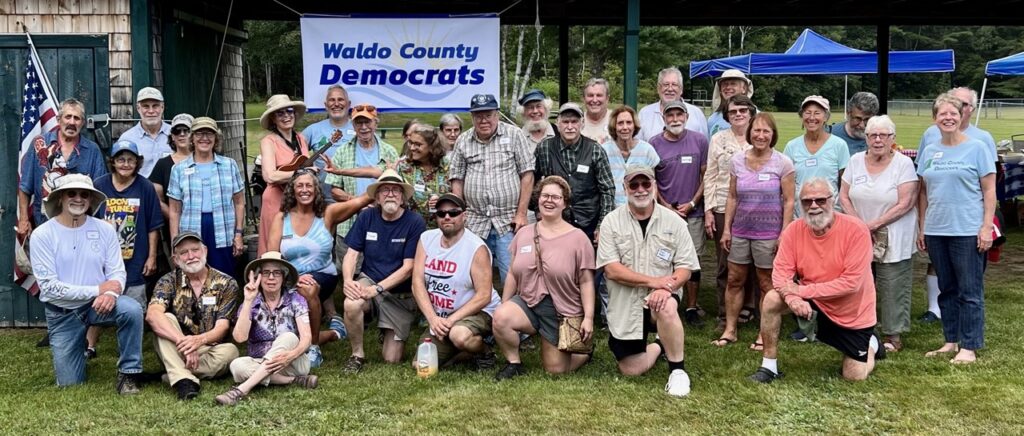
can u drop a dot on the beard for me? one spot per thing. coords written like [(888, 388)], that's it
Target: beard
[(676, 130), (641, 203), (821, 221), (76, 210), (535, 126), (390, 207), (858, 134), (194, 267), (450, 231)]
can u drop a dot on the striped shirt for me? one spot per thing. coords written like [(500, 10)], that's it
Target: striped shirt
[(187, 187), (490, 172)]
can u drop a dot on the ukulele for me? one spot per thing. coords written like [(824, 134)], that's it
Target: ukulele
[(302, 161)]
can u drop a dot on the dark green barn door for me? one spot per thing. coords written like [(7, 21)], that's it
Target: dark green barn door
[(77, 66)]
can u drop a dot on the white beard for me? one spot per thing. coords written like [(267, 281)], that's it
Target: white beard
[(641, 204), (535, 126), (676, 130), (390, 207), (78, 210), (820, 221), (194, 268)]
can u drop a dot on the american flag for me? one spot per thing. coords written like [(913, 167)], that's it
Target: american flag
[(38, 116)]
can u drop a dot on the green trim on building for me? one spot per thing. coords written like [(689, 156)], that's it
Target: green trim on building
[(142, 46)]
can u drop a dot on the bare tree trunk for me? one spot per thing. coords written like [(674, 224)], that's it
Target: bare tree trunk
[(730, 40), (269, 87), (519, 65), (504, 61), (744, 30)]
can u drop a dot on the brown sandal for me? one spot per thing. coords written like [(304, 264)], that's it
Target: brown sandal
[(307, 381), (892, 344), (230, 398)]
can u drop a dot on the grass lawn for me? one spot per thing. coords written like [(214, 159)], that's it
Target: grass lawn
[(909, 125), (907, 393)]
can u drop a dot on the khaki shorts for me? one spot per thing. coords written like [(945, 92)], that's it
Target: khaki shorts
[(479, 324), (760, 252), (696, 227), (395, 312)]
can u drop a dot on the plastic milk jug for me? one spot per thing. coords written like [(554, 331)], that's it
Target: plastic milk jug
[(426, 359)]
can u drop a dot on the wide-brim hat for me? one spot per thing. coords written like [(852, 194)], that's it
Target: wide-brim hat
[(274, 257), (716, 96), (51, 204), (390, 177), (278, 102)]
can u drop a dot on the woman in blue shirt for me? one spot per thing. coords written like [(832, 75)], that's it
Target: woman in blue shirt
[(957, 203)]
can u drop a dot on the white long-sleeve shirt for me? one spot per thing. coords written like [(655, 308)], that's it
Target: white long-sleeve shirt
[(652, 122), (70, 263)]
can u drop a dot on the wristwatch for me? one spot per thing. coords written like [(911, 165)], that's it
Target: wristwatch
[(379, 288), (693, 205)]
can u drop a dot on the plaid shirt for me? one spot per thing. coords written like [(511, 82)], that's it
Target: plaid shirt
[(490, 172), (569, 155), (424, 186), (197, 315), (186, 187), (345, 158)]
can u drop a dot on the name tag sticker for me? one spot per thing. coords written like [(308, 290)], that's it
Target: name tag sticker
[(763, 177), (664, 254), (371, 236), (134, 202), (92, 235), (165, 154), (860, 179), (209, 301), (582, 169), (504, 141), (937, 155), (189, 171), (350, 132), (420, 187), (686, 159), (526, 249), (811, 162)]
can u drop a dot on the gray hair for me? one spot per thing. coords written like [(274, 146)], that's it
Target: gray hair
[(974, 94), (865, 102), (818, 181), (596, 81), (72, 102), (671, 70), (880, 122), (338, 87), (450, 118)]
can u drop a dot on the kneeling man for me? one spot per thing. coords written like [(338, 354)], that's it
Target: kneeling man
[(191, 313), (823, 270), (647, 255), (451, 281)]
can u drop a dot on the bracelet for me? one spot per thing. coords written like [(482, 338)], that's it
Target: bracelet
[(238, 231), (112, 294)]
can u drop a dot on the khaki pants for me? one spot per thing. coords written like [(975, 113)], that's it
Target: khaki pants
[(213, 361), (243, 367)]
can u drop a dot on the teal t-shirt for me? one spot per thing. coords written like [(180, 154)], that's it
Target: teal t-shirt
[(826, 163), (952, 176)]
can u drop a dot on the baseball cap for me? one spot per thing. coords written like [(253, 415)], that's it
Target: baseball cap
[(455, 199), (483, 102), (183, 236), (819, 100), (571, 107), (532, 95), (365, 111), (149, 93), (182, 120), (124, 145), (634, 170), (675, 104)]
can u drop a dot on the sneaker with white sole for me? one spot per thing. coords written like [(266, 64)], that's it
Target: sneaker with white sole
[(678, 383), (315, 357), (338, 326)]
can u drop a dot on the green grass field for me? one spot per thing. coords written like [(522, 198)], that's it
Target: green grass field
[(909, 125), (907, 393)]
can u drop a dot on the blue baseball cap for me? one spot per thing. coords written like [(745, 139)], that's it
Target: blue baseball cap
[(124, 145), (483, 102), (532, 95)]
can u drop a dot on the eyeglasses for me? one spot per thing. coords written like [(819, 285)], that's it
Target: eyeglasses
[(73, 193), (636, 184), (819, 201), (205, 134), (181, 131), (876, 136), (669, 85), (551, 197), (390, 190), (858, 120), (448, 213), (272, 273), (742, 110), (126, 160), (288, 111)]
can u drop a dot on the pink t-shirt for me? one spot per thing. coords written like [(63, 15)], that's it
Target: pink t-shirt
[(834, 269), (564, 256)]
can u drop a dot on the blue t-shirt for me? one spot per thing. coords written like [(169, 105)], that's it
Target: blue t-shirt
[(366, 158), (319, 134), (134, 213), (853, 144), (826, 163), (206, 172), (385, 244), (952, 176), (717, 123), (933, 136)]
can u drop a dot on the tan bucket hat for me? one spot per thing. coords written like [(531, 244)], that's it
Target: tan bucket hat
[(274, 257), (281, 101), (51, 204), (390, 177)]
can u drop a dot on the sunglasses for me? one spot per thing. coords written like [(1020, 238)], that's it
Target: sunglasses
[(819, 201), (448, 213), (285, 111), (181, 131), (636, 184), (365, 107), (76, 193), (741, 110)]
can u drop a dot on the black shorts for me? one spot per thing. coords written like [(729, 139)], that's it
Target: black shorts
[(854, 343), (625, 348)]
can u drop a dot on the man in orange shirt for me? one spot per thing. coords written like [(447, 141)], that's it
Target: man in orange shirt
[(823, 270)]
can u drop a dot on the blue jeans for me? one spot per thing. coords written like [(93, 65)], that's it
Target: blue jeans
[(221, 259), (960, 269), (67, 338), (499, 251)]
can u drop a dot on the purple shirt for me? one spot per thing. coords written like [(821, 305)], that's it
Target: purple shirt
[(759, 196), (678, 173), (268, 324)]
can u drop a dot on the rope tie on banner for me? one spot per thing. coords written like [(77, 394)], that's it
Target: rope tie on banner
[(288, 8), (220, 54)]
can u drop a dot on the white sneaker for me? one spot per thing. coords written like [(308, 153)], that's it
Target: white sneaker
[(678, 384)]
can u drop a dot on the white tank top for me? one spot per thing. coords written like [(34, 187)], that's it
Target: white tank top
[(447, 272)]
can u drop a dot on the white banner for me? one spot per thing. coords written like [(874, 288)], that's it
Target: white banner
[(401, 64)]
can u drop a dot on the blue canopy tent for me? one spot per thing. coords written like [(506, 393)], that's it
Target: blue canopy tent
[(1012, 65)]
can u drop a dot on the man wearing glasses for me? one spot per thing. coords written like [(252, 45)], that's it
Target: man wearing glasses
[(647, 256), (861, 107), (822, 272), (386, 236), (152, 135), (451, 281), (670, 88)]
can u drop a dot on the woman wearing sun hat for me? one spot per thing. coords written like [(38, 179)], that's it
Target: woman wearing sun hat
[(278, 147), (274, 319)]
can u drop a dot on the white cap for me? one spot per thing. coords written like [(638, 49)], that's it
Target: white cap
[(149, 93)]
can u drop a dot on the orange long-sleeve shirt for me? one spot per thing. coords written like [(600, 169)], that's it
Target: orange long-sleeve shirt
[(834, 269)]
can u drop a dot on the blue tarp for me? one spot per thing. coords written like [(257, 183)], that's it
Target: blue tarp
[(812, 53), (1012, 65)]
